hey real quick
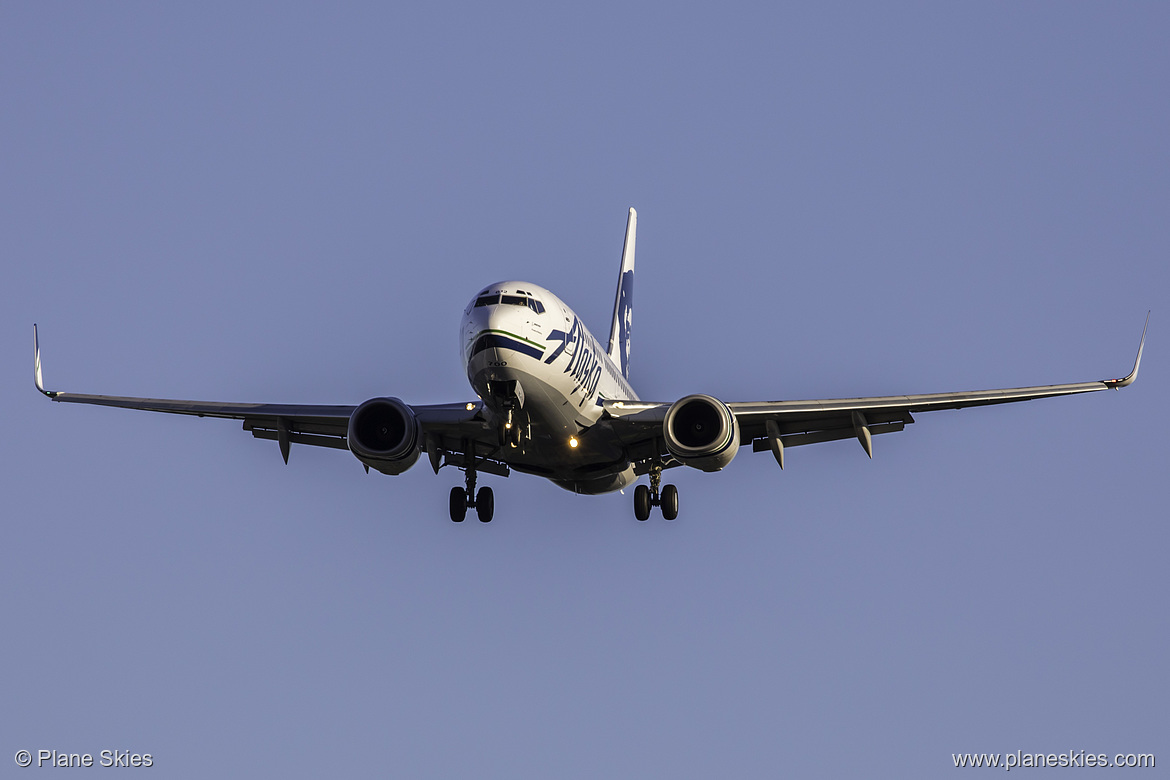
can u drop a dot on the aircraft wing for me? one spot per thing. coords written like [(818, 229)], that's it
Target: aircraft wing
[(448, 428), (776, 425)]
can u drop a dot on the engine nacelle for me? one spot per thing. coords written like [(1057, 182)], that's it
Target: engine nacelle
[(701, 432), (383, 434)]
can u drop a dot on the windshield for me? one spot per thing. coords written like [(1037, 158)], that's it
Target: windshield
[(510, 300)]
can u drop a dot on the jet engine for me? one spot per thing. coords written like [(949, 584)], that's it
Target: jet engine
[(383, 434), (701, 432)]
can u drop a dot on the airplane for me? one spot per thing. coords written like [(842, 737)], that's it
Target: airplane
[(553, 403)]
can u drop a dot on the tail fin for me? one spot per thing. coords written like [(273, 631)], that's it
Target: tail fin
[(623, 305)]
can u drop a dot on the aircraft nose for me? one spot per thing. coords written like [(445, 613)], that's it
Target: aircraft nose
[(478, 318), (501, 317)]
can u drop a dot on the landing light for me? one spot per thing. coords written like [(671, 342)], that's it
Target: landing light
[(573, 441), (470, 406)]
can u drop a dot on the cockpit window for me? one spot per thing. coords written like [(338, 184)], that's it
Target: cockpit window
[(510, 300)]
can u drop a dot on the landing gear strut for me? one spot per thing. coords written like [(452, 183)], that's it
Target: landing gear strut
[(510, 429), (484, 502), (647, 497)]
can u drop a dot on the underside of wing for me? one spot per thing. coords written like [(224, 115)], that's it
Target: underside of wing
[(396, 432), (652, 430)]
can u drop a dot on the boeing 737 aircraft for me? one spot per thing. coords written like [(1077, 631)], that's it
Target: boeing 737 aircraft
[(552, 402)]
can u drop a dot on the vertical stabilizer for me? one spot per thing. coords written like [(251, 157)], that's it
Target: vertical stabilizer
[(623, 305)]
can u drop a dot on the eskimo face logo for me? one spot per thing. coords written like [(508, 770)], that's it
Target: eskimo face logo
[(625, 314), (584, 365)]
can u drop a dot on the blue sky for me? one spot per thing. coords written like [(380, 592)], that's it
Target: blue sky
[(293, 202)]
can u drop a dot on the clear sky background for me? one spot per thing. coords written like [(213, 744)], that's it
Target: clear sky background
[(293, 202)]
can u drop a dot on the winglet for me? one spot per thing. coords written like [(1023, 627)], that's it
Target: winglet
[(37, 365), (1127, 381)]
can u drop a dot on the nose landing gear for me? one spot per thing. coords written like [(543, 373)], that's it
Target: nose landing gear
[(647, 497), (511, 428)]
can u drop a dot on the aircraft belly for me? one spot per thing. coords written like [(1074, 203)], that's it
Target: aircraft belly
[(595, 486)]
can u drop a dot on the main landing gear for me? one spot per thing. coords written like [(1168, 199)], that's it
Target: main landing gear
[(647, 497), (484, 503)]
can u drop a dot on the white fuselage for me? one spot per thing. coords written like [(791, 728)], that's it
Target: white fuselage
[(525, 349)]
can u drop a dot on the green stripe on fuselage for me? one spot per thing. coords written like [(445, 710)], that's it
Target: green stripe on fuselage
[(511, 335)]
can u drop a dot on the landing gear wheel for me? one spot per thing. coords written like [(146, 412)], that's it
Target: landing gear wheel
[(458, 504), (669, 502), (485, 505), (642, 503)]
